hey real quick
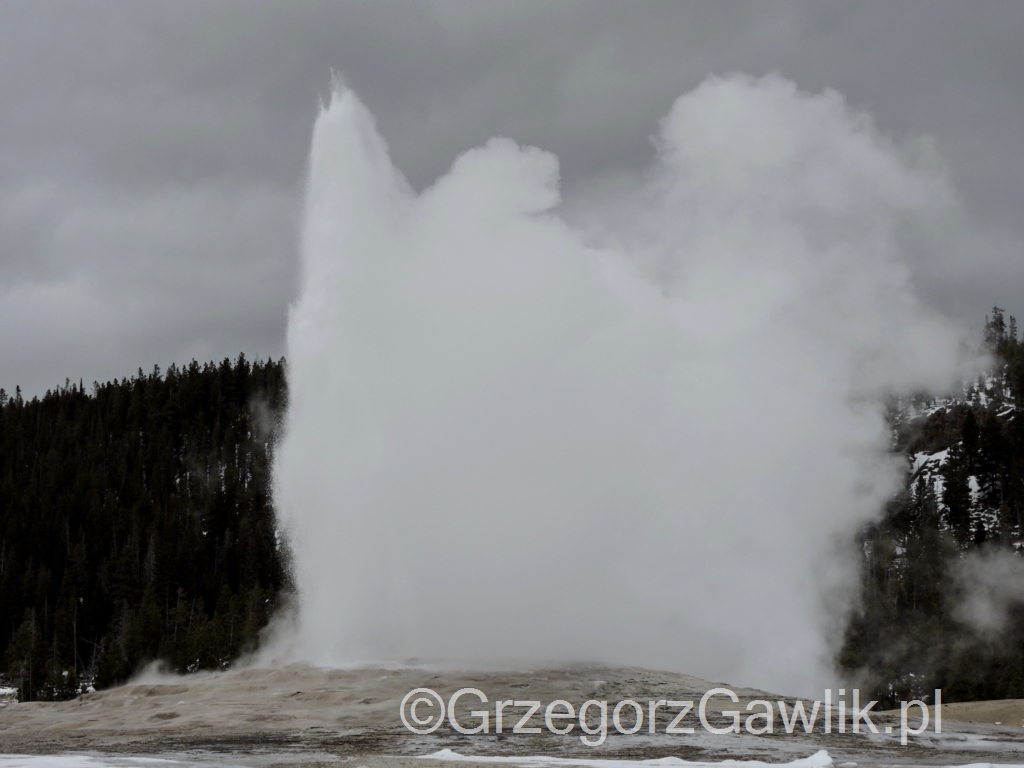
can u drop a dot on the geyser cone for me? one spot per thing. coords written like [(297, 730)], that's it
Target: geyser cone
[(505, 445)]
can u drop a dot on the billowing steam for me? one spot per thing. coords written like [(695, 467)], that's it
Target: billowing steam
[(638, 438), (990, 584)]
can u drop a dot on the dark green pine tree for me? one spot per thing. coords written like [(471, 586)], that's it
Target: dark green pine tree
[(136, 523), (969, 437), (907, 635), (992, 461), (956, 493)]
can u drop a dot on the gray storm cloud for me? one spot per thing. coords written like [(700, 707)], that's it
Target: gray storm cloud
[(640, 434)]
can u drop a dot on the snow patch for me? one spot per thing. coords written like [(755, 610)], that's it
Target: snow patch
[(196, 759), (972, 481), (819, 759)]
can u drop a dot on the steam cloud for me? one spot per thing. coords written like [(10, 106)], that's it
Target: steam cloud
[(990, 584), (645, 437)]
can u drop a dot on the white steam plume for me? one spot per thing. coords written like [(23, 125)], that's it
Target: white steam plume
[(990, 584), (513, 440)]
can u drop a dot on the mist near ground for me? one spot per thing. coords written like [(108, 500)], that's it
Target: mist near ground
[(643, 430)]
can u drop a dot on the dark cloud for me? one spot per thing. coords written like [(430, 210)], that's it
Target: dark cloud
[(152, 154)]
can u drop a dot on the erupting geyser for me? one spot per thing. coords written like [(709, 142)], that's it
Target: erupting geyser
[(644, 437)]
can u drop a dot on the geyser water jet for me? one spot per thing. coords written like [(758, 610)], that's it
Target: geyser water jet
[(643, 438)]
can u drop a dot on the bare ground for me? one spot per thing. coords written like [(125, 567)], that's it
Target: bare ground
[(300, 715)]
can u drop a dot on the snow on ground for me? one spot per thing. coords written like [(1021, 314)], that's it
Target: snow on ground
[(919, 460), (933, 462), (972, 481), (105, 761), (819, 759), (7, 696)]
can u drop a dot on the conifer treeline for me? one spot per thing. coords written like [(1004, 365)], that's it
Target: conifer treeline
[(136, 523), (907, 636)]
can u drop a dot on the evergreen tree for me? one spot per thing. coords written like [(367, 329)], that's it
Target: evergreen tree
[(136, 523), (956, 493), (907, 636)]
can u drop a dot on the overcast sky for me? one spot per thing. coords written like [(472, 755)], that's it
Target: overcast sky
[(152, 155)]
